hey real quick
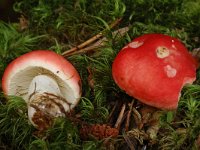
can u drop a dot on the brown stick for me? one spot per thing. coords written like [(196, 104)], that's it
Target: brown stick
[(129, 142), (89, 41), (82, 45), (99, 44), (196, 54), (128, 116), (138, 117), (84, 50), (112, 112), (119, 119)]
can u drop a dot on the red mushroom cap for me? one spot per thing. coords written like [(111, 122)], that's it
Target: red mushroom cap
[(153, 68), (19, 73)]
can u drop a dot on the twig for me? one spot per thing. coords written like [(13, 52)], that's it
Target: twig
[(82, 45), (137, 114), (138, 117), (112, 112), (84, 50), (129, 142), (128, 116), (99, 44), (116, 22), (196, 54), (118, 33), (89, 41), (119, 119)]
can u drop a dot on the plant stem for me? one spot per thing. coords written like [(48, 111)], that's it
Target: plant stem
[(112, 112), (129, 142), (84, 50), (137, 116), (119, 119), (129, 115), (74, 49), (99, 44), (89, 41)]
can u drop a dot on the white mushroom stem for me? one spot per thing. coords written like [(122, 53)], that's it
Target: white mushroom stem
[(49, 84), (45, 96)]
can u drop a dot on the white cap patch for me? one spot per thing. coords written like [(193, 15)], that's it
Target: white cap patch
[(135, 44), (171, 72), (162, 52), (173, 46)]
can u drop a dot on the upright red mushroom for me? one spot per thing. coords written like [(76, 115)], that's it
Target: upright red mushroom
[(49, 84), (153, 68)]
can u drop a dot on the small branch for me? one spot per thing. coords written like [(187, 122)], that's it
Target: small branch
[(82, 45), (138, 117), (116, 22), (98, 44), (196, 54), (120, 117), (128, 116), (129, 142), (89, 41), (112, 112), (118, 33), (84, 50)]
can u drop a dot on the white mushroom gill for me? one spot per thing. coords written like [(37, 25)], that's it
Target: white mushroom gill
[(44, 91), (20, 82)]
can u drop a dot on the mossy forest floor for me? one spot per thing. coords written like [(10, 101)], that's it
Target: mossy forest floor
[(60, 25)]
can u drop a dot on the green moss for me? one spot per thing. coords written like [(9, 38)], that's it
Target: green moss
[(61, 24)]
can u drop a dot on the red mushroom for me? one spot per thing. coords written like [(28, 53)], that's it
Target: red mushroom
[(154, 68), (46, 81)]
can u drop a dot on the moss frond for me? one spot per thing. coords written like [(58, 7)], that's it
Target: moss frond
[(13, 43), (69, 21), (183, 130), (16, 131), (66, 24)]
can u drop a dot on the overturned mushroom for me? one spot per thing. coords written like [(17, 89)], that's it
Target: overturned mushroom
[(153, 68), (48, 83)]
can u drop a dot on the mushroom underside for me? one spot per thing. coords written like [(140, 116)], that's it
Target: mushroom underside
[(46, 94), (20, 82)]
